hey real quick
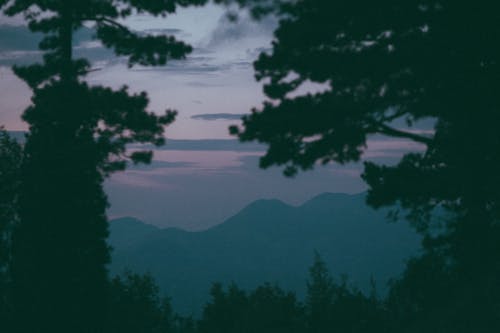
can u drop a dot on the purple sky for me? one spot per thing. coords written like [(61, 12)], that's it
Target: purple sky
[(198, 185)]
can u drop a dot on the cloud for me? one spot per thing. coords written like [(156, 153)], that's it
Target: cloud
[(200, 84), (217, 116), (163, 31), (386, 150), (161, 165), (244, 27), (220, 184), (12, 20), (187, 68), (18, 38), (19, 45), (212, 145)]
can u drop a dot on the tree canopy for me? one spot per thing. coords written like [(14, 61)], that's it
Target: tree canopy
[(385, 65), (115, 120), (78, 135), (10, 160)]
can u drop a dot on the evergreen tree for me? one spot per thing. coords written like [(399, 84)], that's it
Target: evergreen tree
[(337, 307), (319, 300), (226, 312), (10, 166), (78, 136), (384, 66), (135, 306), (274, 310), (266, 309)]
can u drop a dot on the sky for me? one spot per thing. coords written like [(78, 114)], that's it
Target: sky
[(202, 176)]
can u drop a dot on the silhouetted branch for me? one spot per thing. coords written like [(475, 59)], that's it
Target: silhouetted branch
[(390, 131), (100, 19)]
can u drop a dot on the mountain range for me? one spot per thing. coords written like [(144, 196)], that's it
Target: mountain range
[(268, 241)]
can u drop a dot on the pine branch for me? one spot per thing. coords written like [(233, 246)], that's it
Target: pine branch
[(390, 131)]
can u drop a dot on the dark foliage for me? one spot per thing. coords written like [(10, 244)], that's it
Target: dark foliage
[(386, 65), (332, 306), (78, 136), (329, 307), (135, 306), (266, 309), (10, 161)]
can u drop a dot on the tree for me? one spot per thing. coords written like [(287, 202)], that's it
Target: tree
[(319, 300), (274, 310), (226, 312), (10, 166), (78, 136), (332, 306), (266, 309), (135, 306), (384, 66)]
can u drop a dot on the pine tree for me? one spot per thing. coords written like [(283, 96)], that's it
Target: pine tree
[(136, 306), (10, 166), (382, 67), (320, 296), (78, 136)]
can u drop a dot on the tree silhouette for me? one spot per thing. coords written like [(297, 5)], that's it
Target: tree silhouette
[(385, 65), (135, 306), (382, 67), (266, 309), (332, 306), (225, 311), (320, 293), (10, 167), (78, 136)]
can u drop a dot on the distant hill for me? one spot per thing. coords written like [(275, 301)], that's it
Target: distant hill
[(128, 231), (268, 241)]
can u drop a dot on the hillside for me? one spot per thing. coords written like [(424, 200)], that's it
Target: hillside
[(268, 241)]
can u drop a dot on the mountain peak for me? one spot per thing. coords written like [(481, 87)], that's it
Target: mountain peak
[(266, 203), (130, 221), (255, 214), (128, 230), (270, 241)]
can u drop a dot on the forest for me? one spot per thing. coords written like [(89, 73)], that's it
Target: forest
[(387, 64)]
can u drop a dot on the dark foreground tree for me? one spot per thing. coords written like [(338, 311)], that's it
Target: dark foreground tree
[(10, 167), (329, 307), (320, 296), (384, 66), (338, 307), (135, 306), (266, 309), (78, 136)]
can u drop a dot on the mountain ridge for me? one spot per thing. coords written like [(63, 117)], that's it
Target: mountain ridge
[(269, 241)]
